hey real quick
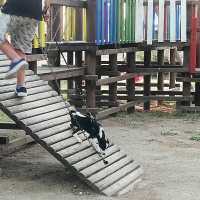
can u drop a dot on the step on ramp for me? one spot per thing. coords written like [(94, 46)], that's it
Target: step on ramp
[(44, 116)]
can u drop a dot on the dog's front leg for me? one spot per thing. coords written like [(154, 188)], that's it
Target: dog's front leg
[(75, 134)]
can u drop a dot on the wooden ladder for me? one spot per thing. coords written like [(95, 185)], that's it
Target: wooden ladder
[(44, 116)]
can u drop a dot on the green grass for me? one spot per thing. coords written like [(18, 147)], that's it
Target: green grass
[(195, 138), (3, 117), (168, 133)]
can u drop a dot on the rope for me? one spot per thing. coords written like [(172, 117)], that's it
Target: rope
[(56, 81)]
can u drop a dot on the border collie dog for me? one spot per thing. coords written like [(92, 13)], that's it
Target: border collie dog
[(87, 123)]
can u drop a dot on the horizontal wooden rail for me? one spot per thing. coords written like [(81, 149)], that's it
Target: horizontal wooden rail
[(69, 3)]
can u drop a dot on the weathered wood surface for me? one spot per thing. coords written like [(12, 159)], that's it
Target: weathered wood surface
[(45, 117)]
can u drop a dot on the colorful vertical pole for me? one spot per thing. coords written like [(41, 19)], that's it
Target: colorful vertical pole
[(65, 27), (177, 22), (35, 41), (73, 23), (42, 33), (118, 21), (165, 22), (97, 22), (106, 22), (102, 22), (168, 24), (133, 21), (154, 15), (126, 22), (115, 22), (122, 22), (69, 23), (129, 25), (111, 23)]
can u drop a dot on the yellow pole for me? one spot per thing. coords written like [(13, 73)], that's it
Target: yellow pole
[(69, 22), (35, 42), (42, 33), (73, 24), (65, 28), (3, 2)]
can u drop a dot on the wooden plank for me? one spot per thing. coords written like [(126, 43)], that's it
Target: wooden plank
[(69, 3), (33, 105), (150, 22), (28, 99), (48, 124), (28, 73), (117, 176), (189, 108), (77, 147), (139, 21), (40, 111), (115, 51), (122, 183), (65, 143), (172, 21), (58, 137), (11, 88), (53, 130), (161, 21), (183, 21), (16, 143), (100, 176), (9, 125), (164, 98), (46, 116), (91, 160), (31, 91), (187, 79), (153, 70), (100, 165)]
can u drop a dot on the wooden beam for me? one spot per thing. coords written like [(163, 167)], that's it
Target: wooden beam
[(69, 3), (9, 125)]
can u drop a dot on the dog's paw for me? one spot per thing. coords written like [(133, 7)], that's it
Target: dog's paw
[(79, 140)]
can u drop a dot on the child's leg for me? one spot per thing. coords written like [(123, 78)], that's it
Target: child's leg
[(21, 75), (8, 50)]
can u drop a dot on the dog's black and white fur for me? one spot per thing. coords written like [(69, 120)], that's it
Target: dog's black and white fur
[(87, 123)]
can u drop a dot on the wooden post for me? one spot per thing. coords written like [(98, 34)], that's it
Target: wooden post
[(197, 85), (160, 61), (55, 33), (70, 81), (90, 59), (186, 58), (147, 79), (33, 64), (78, 54), (172, 74), (113, 86), (131, 63)]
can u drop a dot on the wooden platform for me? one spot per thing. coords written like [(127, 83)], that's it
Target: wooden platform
[(44, 116)]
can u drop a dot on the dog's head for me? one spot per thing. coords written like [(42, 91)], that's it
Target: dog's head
[(103, 141)]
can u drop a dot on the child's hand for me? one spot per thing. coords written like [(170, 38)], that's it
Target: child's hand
[(46, 17)]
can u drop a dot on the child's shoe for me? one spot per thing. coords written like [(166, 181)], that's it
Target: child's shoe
[(21, 92), (15, 68)]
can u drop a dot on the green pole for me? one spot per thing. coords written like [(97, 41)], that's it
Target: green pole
[(133, 21), (126, 26), (118, 21), (129, 25), (122, 23)]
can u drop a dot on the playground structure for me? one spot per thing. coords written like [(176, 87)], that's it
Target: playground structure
[(128, 27), (87, 31)]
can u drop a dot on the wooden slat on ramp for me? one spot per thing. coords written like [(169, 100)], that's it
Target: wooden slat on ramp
[(44, 116)]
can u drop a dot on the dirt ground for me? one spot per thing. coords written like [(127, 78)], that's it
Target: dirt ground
[(160, 142)]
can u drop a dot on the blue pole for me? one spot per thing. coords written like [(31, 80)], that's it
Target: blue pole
[(154, 13), (106, 24), (97, 22), (111, 23), (102, 22)]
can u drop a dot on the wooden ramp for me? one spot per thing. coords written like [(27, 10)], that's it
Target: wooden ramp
[(44, 116)]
